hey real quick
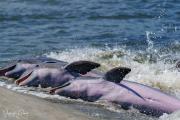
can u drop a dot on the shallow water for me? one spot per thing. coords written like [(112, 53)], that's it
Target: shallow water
[(140, 34)]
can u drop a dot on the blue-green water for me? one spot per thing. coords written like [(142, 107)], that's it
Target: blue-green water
[(39, 26), (141, 34)]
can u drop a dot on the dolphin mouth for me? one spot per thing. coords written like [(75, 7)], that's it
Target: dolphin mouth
[(4, 70), (23, 78)]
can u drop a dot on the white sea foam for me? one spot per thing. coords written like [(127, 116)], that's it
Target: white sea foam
[(173, 116), (29, 91)]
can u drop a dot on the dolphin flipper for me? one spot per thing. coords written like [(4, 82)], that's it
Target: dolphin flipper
[(81, 67), (52, 91), (116, 74)]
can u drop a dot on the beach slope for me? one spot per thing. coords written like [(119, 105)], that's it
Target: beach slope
[(16, 106)]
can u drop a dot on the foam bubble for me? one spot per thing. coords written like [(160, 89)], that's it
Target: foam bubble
[(173, 116)]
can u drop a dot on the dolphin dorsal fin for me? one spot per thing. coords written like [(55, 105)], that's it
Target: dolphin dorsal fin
[(116, 74), (81, 67)]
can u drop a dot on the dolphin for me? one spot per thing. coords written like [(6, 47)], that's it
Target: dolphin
[(112, 88), (48, 76), (18, 67)]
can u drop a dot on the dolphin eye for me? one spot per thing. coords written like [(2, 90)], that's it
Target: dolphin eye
[(37, 66), (178, 64), (19, 60), (50, 62)]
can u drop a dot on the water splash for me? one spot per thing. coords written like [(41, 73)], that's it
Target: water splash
[(173, 116), (149, 42)]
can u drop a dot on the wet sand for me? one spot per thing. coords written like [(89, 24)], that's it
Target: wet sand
[(17, 106)]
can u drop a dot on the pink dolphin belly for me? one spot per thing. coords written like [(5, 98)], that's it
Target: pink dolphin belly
[(148, 97)]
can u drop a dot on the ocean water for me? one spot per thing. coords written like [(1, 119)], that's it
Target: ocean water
[(140, 34)]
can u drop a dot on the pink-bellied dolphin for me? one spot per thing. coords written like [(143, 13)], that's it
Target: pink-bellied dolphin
[(128, 94), (48, 76), (18, 67)]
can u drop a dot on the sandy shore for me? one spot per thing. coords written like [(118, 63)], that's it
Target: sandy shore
[(16, 106)]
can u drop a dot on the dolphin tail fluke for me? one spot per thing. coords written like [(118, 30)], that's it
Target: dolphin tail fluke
[(116, 74), (4, 70)]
